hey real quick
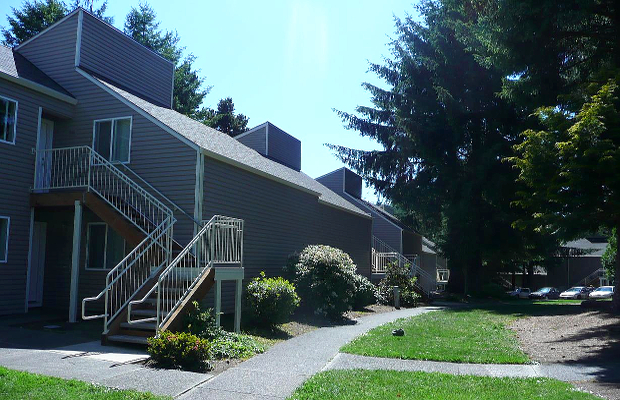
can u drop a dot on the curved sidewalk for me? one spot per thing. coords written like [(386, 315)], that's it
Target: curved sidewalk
[(279, 371)]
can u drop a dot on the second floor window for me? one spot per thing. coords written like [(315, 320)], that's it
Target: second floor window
[(8, 120), (112, 139)]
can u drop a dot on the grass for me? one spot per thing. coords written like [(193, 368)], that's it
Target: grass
[(472, 335), (365, 385), (24, 385)]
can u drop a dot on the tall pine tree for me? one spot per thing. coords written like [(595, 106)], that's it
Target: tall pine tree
[(444, 134)]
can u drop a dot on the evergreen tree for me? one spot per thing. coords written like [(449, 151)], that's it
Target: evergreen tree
[(444, 135), (224, 118), (34, 16), (189, 91)]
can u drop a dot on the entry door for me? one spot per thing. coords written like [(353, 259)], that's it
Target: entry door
[(37, 264), (44, 158)]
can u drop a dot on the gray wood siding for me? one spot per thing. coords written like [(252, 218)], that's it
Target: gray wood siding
[(256, 140), (280, 220), (353, 184), (17, 163), (333, 181), (156, 156), (112, 55), (412, 243), (385, 230), (54, 52), (284, 148)]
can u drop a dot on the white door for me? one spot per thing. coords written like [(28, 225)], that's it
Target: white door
[(37, 264), (44, 158)]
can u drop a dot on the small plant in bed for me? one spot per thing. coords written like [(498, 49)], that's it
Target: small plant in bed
[(270, 301), (179, 350), (201, 342)]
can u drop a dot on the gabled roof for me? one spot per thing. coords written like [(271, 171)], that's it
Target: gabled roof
[(16, 68), (590, 248), (224, 148)]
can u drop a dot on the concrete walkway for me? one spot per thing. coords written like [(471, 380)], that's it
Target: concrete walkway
[(279, 371), (110, 366), (573, 372)]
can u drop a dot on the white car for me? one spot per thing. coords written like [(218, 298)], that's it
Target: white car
[(576, 292), (521, 293), (604, 292)]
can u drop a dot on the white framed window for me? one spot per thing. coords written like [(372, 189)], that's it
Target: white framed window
[(112, 138), (8, 120), (5, 223), (104, 247)]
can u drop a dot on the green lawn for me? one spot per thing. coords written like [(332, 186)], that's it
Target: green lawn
[(361, 385), (463, 335), (23, 385)]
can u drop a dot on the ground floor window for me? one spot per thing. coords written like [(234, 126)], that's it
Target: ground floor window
[(104, 247), (4, 238)]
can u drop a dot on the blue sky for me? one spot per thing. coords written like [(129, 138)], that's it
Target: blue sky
[(289, 62)]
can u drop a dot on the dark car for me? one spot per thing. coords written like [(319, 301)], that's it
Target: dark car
[(546, 293)]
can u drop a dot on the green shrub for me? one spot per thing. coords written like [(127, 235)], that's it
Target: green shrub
[(179, 350), (325, 278), (232, 345), (201, 322), (396, 275), (493, 291), (365, 292), (270, 301)]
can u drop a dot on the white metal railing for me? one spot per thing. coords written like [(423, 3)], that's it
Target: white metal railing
[(383, 255), (443, 275), (125, 280), (82, 167), (592, 277), (220, 241)]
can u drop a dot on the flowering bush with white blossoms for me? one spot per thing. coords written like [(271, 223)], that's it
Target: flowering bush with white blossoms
[(325, 279)]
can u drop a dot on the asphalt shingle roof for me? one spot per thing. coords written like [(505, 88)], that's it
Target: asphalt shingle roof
[(14, 64), (223, 145)]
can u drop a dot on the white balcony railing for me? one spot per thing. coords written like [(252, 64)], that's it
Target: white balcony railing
[(219, 242)]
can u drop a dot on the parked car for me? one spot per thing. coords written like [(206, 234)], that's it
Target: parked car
[(604, 292), (576, 292), (545, 293), (521, 293)]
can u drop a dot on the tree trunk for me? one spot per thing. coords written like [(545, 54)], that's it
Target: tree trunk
[(616, 298)]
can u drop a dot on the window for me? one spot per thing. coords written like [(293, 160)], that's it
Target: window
[(8, 120), (4, 238), (112, 139), (104, 247)]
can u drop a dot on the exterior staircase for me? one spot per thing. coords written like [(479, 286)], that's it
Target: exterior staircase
[(151, 287), (383, 255)]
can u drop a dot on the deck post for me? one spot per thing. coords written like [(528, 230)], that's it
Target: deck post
[(75, 261), (218, 301), (238, 290)]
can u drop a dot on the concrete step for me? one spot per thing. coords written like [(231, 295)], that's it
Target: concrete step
[(127, 339), (145, 326)]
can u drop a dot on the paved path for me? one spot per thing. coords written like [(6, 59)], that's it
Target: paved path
[(105, 365), (572, 372), (279, 371)]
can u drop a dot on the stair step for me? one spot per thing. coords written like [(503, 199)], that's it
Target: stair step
[(146, 312), (147, 326), (127, 339)]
